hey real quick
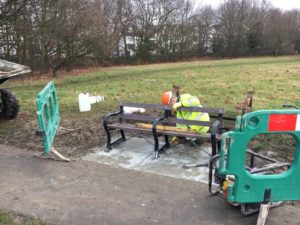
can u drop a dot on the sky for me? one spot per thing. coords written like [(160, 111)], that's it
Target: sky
[(282, 4)]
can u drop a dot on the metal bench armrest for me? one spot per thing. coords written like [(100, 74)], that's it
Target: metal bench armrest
[(107, 116)]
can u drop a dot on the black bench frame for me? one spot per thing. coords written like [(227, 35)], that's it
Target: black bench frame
[(216, 127)]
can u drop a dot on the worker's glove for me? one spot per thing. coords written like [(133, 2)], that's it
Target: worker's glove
[(176, 106)]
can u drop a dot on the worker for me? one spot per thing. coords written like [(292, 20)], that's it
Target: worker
[(186, 100)]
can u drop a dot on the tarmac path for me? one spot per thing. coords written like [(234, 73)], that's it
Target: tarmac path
[(87, 193)]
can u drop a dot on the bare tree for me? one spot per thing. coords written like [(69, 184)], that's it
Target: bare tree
[(233, 16), (125, 22), (16, 27), (185, 29), (153, 22), (203, 28), (166, 36), (275, 32), (292, 23), (104, 28)]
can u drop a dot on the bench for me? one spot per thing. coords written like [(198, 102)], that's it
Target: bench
[(162, 124)]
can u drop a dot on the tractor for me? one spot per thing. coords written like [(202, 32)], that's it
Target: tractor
[(9, 105)]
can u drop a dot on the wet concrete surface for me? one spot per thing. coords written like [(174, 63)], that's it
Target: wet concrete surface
[(86, 193), (137, 154)]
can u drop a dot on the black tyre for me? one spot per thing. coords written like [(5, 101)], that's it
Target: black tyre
[(9, 105)]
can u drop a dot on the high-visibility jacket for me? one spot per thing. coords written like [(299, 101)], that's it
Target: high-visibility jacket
[(187, 100)]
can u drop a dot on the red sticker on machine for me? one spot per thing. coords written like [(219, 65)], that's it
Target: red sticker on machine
[(284, 122)]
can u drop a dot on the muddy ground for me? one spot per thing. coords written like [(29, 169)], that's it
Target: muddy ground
[(73, 139)]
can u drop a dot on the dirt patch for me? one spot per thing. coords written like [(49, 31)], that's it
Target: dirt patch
[(273, 149), (73, 139), (278, 146)]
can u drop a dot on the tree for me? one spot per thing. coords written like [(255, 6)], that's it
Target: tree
[(292, 21), (232, 26), (125, 22), (203, 28), (276, 36), (104, 27), (16, 27), (166, 36)]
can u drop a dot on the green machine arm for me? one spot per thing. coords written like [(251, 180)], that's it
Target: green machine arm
[(250, 188)]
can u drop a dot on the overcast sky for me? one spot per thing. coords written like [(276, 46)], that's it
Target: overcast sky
[(283, 4)]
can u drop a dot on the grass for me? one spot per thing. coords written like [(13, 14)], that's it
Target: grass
[(7, 218), (275, 80), (218, 83)]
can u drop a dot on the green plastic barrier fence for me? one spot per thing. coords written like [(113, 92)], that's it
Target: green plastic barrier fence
[(250, 188), (47, 115)]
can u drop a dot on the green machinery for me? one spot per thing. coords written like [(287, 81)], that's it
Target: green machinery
[(255, 187), (48, 118), (244, 185)]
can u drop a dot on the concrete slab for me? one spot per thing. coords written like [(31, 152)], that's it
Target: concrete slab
[(136, 153)]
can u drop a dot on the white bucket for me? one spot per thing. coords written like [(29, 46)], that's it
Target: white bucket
[(85, 101)]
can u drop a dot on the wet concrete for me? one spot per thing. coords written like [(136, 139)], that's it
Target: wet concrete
[(87, 193), (136, 153)]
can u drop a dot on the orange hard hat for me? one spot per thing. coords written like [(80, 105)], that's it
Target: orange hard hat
[(166, 97)]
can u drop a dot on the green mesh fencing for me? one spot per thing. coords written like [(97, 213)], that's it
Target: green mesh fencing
[(48, 115)]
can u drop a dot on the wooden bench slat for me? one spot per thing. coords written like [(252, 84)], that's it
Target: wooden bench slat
[(147, 118), (138, 117), (189, 122), (146, 106), (202, 109), (133, 127), (126, 126)]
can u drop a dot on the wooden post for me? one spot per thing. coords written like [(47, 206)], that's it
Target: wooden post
[(263, 213)]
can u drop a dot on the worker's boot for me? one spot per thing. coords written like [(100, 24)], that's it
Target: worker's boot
[(177, 140)]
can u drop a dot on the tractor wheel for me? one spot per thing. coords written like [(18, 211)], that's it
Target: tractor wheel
[(9, 105)]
